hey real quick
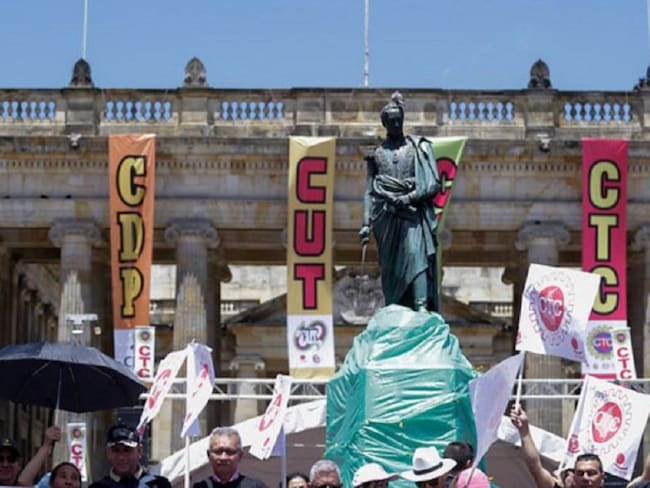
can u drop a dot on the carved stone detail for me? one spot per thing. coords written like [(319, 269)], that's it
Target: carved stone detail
[(357, 297), (193, 228), (642, 238), (80, 229), (247, 362), (540, 76), (542, 230), (81, 77), (195, 74)]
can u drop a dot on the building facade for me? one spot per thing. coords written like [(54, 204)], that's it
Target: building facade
[(221, 184)]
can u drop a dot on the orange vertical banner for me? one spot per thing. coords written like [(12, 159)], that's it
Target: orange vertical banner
[(131, 166)]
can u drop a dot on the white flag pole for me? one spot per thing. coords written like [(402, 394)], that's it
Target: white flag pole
[(187, 461), (520, 377), (85, 31), (284, 457)]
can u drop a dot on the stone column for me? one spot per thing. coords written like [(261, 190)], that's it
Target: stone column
[(76, 239), (515, 276), (195, 310), (246, 366), (542, 242)]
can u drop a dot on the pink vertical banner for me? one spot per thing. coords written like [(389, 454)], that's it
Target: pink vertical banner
[(604, 245)]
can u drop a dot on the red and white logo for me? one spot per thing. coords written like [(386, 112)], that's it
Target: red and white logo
[(551, 301), (607, 422), (610, 419)]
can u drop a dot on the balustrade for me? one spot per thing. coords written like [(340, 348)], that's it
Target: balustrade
[(142, 109)]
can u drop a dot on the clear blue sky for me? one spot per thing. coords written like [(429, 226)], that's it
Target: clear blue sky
[(451, 44)]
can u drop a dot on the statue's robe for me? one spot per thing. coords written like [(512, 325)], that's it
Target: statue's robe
[(406, 234)]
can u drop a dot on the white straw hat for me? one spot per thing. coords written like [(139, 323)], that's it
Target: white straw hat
[(371, 472), (428, 465)]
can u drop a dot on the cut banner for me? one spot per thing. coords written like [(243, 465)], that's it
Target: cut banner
[(555, 306), (310, 331), (608, 422)]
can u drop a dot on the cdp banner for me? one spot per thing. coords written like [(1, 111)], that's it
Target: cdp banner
[(604, 244), (131, 192), (310, 332)]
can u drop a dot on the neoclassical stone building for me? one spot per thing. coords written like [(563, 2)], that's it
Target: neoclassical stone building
[(221, 183)]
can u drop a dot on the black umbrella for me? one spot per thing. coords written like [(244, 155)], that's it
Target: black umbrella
[(66, 376)]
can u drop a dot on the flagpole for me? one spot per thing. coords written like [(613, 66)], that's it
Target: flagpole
[(284, 458), (85, 31), (366, 53), (520, 377), (648, 25), (187, 461)]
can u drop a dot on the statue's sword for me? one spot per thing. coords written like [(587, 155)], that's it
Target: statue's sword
[(363, 258)]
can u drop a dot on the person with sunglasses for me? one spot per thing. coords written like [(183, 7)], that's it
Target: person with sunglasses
[(124, 450), (11, 462), (429, 470), (225, 453), (325, 474)]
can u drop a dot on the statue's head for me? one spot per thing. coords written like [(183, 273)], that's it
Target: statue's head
[(392, 115)]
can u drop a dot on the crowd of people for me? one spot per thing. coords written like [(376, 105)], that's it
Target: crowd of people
[(454, 469)]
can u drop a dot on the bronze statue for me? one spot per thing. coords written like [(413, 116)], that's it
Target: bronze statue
[(398, 207)]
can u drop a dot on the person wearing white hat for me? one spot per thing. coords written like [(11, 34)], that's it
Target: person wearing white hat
[(372, 475), (429, 469)]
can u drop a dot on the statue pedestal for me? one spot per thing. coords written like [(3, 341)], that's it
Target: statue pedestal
[(404, 385)]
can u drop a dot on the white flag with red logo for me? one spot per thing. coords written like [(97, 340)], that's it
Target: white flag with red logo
[(555, 307), (167, 372), (609, 422), (266, 432), (489, 394), (200, 383)]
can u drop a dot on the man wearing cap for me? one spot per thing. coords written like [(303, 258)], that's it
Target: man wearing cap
[(11, 462), (372, 475), (225, 453), (429, 469), (123, 450)]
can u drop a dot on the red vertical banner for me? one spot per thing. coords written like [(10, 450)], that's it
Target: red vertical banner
[(604, 245), (132, 162)]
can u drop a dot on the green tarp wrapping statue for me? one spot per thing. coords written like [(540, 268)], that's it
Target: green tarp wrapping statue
[(398, 207)]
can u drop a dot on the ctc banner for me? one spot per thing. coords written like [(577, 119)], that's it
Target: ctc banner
[(310, 331), (604, 244), (131, 167), (77, 447)]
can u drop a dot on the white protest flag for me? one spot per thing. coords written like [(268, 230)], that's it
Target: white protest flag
[(200, 383), (555, 307), (268, 428), (167, 372), (489, 394), (609, 422)]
